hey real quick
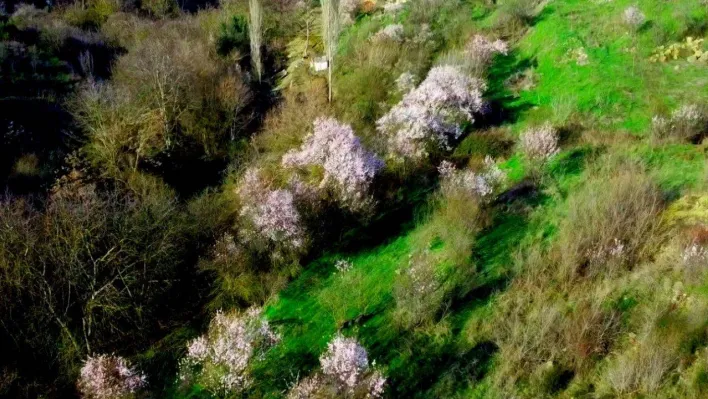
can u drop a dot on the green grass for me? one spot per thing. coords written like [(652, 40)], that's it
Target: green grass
[(618, 89), (322, 300)]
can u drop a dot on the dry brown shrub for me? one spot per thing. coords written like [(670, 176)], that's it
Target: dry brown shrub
[(171, 92), (611, 222)]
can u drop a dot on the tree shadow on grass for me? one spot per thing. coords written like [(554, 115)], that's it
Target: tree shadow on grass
[(505, 107), (425, 367), (571, 163)]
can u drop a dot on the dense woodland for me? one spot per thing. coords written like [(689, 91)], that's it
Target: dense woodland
[(354, 199)]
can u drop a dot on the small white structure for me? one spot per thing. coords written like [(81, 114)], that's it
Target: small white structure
[(320, 64)]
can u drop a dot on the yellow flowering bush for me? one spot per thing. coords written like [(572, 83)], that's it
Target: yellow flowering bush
[(691, 50)]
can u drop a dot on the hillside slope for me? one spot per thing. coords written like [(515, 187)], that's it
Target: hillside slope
[(354, 199)]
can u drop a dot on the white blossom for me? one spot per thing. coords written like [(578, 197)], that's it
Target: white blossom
[(344, 372), (347, 165), (614, 250), (694, 254), (306, 388), (272, 213), (377, 384), (482, 184), (345, 360), (347, 11), (540, 143), (431, 115), (421, 275), (424, 34), (686, 122), (108, 377), (226, 349), (198, 349), (479, 52), (633, 17), (343, 265), (394, 7)]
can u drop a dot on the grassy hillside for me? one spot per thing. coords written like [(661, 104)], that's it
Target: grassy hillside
[(607, 102)]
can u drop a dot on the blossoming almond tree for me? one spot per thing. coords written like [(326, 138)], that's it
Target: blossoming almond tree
[(405, 82), (430, 116), (272, 213), (482, 184), (108, 377), (541, 143), (345, 372), (480, 51), (348, 167), (220, 358), (687, 122)]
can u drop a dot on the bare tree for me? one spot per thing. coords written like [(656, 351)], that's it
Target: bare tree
[(330, 35), (255, 34)]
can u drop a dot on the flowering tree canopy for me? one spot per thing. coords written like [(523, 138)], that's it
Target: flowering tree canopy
[(482, 184), (272, 213), (392, 32), (108, 377), (219, 358), (479, 52), (345, 360), (431, 115), (347, 165), (541, 143), (345, 370), (633, 17)]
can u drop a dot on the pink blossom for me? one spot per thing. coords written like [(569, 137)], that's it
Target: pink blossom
[(446, 169), (306, 388), (304, 191), (347, 165), (272, 212), (226, 349), (377, 384), (540, 143), (431, 115), (480, 51), (198, 349), (482, 183), (345, 371), (345, 360), (278, 219), (108, 377)]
